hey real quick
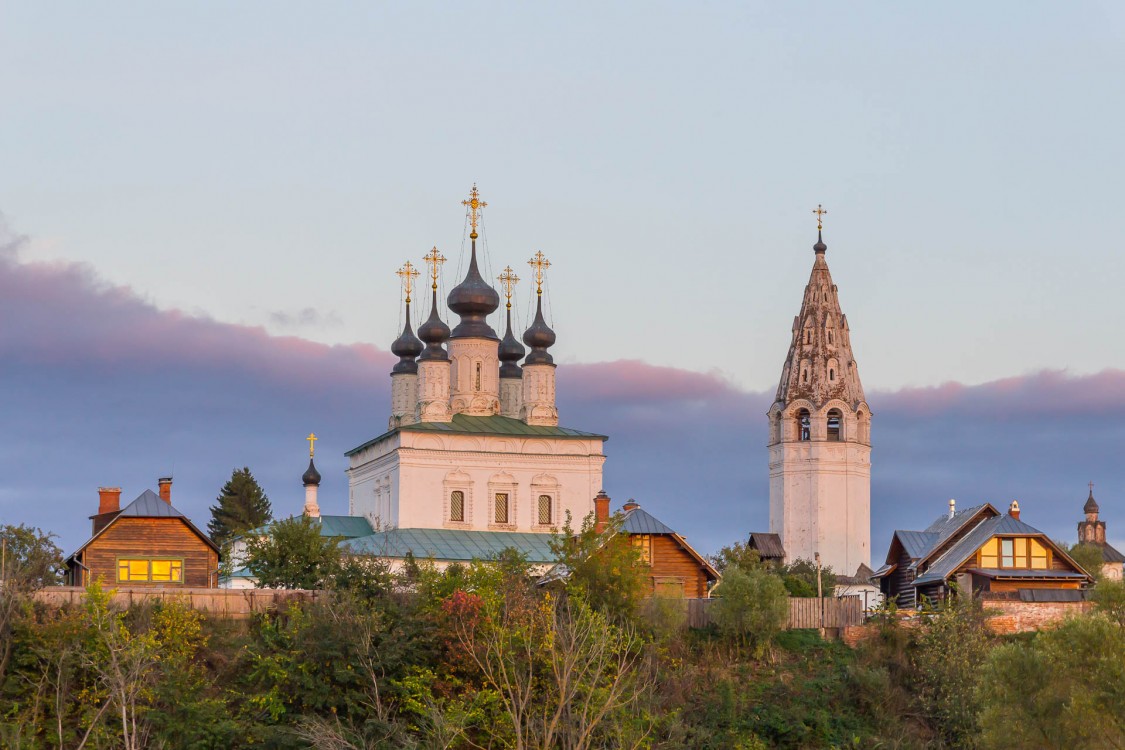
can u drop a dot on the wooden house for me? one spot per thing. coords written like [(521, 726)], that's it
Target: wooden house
[(674, 568), (146, 543), (982, 551)]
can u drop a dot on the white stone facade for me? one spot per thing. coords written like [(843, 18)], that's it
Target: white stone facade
[(404, 399), (433, 391), (538, 406), (820, 438), (408, 479), (475, 376), (511, 397)]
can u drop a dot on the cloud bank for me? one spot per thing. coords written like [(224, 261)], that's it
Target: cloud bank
[(100, 387)]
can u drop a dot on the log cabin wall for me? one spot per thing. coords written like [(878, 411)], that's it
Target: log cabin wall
[(898, 582), (670, 562), (151, 537)]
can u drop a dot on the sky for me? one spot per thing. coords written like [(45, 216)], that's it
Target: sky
[(204, 206)]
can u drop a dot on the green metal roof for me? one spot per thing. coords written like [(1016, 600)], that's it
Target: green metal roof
[(347, 527), (494, 425), (452, 544)]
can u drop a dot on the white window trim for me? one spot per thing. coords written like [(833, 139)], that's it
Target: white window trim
[(448, 487), (495, 488)]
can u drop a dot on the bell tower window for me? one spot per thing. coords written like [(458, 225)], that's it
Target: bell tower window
[(803, 425), (834, 422), (476, 379)]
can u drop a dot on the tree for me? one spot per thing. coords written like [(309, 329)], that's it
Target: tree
[(1062, 689), (751, 607), (739, 554), (242, 505), (799, 577), (604, 569), (1109, 599), (1089, 558), (29, 560), (293, 555)]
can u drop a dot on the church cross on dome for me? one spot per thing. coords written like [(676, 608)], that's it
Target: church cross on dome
[(434, 259), (408, 273), (540, 263), (475, 204), (820, 212), (312, 439), (508, 280)]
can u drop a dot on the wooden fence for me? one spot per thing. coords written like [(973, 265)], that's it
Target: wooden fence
[(234, 604), (829, 612)]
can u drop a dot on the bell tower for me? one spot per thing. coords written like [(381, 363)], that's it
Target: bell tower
[(820, 434)]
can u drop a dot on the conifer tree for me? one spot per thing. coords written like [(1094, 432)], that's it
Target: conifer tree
[(241, 505)]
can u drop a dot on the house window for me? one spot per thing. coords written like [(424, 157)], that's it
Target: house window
[(1021, 553), (545, 516), (457, 506), (1007, 553), (803, 425), (149, 570), (500, 508), (643, 543)]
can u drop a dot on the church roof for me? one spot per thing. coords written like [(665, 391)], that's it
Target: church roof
[(345, 527), (1111, 555), (492, 425), (1091, 505), (453, 545), (820, 365)]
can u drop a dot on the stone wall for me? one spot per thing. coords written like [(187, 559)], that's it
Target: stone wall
[(1005, 618), (225, 603)]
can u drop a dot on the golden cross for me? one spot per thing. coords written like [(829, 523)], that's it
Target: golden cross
[(475, 204), (508, 280), (820, 212), (312, 439), (540, 263), (434, 259), (1091, 488), (408, 273)]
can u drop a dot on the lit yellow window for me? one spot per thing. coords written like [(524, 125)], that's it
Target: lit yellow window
[(990, 554), (643, 543), (1039, 560), (145, 570), (167, 571)]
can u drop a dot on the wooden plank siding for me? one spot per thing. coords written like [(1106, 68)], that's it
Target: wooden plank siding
[(150, 537), (898, 582), (671, 563)]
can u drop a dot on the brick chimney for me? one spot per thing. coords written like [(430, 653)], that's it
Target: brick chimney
[(630, 505), (1014, 509), (109, 500), (601, 511), (165, 484)]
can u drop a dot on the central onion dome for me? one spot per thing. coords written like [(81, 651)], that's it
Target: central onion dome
[(511, 352), (474, 300), (406, 347), (539, 337), (1091, 505), (435, 333), (311, 475), (819, 248)]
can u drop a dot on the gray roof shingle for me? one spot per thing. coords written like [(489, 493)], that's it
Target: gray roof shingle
[(942, 567), (640, 521), (768, 545)]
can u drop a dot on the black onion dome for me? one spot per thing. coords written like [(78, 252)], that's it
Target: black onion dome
[(311, 475), (474, 300), (435, 333), (1091, 505), (406, 347), (539, 337), (511, 352), (819, 248)]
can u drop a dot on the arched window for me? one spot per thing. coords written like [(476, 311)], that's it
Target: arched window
[(457, 506), (808, 336), (835, 419), (476, 381), (831, 375), (803, 425), (545, 517)]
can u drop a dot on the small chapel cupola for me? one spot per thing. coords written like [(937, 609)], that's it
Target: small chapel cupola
[(433, 363), (473, 345), (311, 480), (511, 352), (1091, 531), (539, 367), (820, 433), (407, 347)]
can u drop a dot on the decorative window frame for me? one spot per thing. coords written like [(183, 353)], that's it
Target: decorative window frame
[(546, 484), (457, 481), (506, 483)]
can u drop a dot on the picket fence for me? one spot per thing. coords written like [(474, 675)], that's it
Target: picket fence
[(829, 612)]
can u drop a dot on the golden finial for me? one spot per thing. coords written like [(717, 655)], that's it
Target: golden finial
[(540, 263), (434, 259), (475, 204), (312, 439), (408, 273), (820, 212), (508, 280)]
